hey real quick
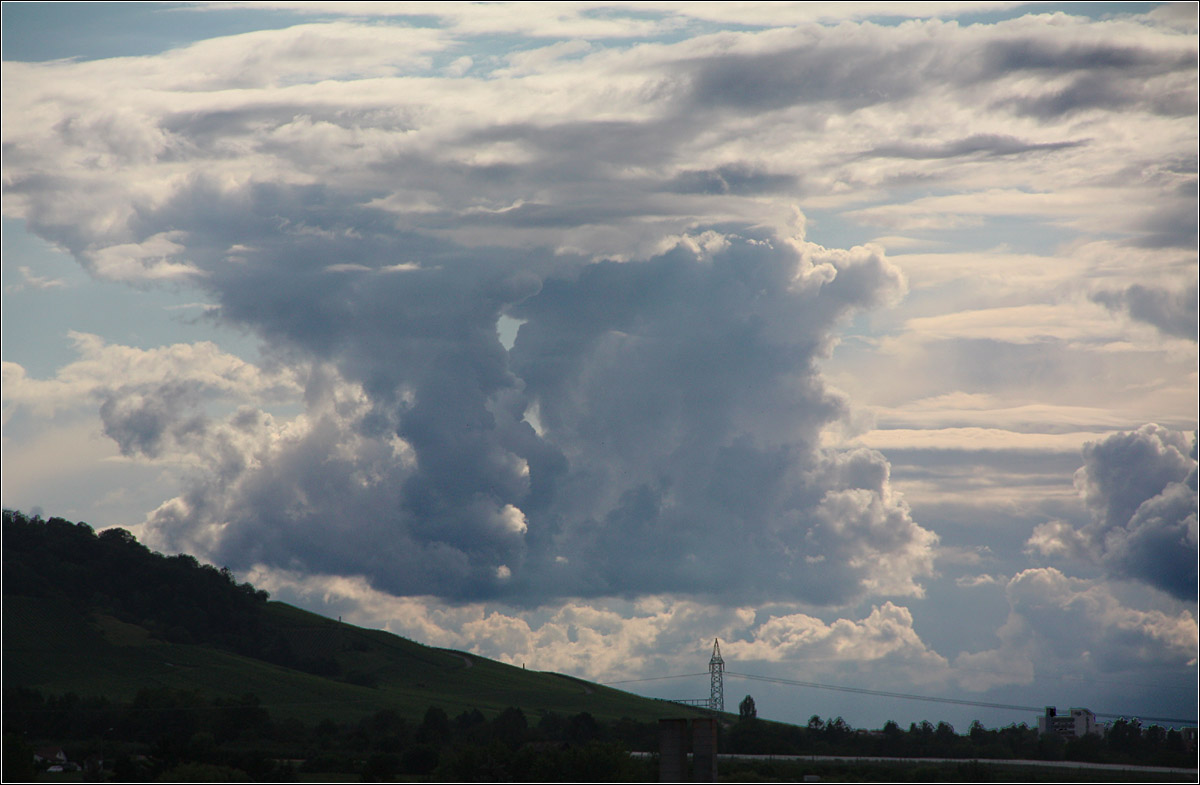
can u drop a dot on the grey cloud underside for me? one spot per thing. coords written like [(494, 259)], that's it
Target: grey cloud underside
[(1173, 227), (1141, 490), (852, 76), (1172, 312), (977, 144), (141, 421)]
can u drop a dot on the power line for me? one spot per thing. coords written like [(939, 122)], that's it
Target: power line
[(932, 699), (902, 695), (656, 678)]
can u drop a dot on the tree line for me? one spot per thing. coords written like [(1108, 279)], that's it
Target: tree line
[(1126, 742), (169, 734)]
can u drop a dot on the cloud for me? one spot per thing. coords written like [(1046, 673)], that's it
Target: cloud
[(978, 144), (621, 20), (735, 178), (150, 386), (647, 430), (657, 423), (613, 639), (886, 633), (147, 260), (1173, 311), (1140, 487), (28, 278), (971, 581), (1057, 623)]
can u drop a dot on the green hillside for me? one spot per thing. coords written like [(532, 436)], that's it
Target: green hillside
[(93, 615)]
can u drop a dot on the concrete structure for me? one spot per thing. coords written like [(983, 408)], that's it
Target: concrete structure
[(1073, 725), (672, 750), (673, 746), (704, 749)]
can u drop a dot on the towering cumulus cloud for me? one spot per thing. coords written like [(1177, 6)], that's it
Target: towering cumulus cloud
[(655, 426), (1141, 490)]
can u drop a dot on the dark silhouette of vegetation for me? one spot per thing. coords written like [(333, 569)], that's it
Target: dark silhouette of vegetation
[(179, 735), (176, 598), (746, 709), (1125, 743)]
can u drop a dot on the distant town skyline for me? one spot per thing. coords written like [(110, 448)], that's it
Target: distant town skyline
[(862, 337)]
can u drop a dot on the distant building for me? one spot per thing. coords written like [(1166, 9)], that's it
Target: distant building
[(52, 755), (1073, 725)]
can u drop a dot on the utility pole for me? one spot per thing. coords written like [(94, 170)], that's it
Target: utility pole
[(716, 673)]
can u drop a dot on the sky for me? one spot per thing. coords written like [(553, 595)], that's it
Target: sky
[(861, 337)]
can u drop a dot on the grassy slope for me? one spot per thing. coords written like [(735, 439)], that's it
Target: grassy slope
[(55, 648)]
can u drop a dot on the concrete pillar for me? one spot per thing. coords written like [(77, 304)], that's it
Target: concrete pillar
[(704, 749), (672, 750)]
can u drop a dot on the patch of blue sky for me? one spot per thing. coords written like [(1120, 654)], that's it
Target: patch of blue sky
[(1087, 10), (490, 52), (53, 295), (37, 32), (671, 29), (487, 52)]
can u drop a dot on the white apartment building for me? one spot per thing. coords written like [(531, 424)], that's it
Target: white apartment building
[(1073, 725)]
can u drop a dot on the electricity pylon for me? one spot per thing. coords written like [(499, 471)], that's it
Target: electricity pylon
[(716, 672)]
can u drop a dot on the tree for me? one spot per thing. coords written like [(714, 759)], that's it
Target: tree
[(746, 709), (510, 727), (435, 728), (18, 759)]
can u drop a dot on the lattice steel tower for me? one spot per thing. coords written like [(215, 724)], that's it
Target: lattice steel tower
[(716, 673)]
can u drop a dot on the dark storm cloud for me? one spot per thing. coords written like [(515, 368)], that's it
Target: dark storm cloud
[(1141, 490), (1171, 311)]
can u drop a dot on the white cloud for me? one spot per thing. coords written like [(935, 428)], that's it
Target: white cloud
[(1063, 624), (147, 260), (609, 641), (105, 369), (29, 279), (886, 633)]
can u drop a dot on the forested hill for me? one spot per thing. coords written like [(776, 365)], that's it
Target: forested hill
[(102, 615), (176, 598), (113, 649)]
